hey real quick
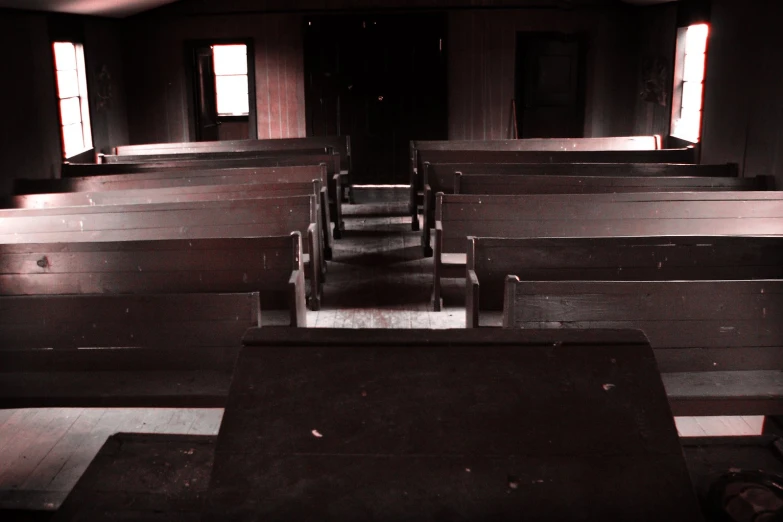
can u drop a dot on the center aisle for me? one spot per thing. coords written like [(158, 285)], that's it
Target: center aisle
[(377, 278)]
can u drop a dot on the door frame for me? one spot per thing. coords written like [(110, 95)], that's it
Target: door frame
[(190, 83), (519, 80)]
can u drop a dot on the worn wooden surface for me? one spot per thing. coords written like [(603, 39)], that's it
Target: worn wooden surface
[(121, 350), (341, 428), (188, 220), (718, 343), (143, 477), (271, 265), (595, 215), (500, 184), (612, 259)]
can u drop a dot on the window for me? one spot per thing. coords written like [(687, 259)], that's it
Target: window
[(72, 96), (689, 82), (231, 82)]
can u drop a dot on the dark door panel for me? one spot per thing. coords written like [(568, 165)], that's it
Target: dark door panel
[(380, 79)]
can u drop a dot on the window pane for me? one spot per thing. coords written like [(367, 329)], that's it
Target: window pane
[(696, 39), (70, 111), (64, 56), (232, 98), (67, 84), (73, 140), (691, 95), (694, 67), (81, 70), (230, 59)]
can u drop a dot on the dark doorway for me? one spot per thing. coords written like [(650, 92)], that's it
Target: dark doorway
[(222, 85), (550, 85), (380, 79)]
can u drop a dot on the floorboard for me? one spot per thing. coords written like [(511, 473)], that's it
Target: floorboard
[(377, 279)]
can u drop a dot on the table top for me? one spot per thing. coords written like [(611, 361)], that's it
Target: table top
[(328, 424)]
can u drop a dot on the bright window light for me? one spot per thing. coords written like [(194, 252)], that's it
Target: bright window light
[(72, 94), (231, 82), (689, 88)]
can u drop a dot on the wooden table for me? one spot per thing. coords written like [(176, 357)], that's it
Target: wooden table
[(448, 425)]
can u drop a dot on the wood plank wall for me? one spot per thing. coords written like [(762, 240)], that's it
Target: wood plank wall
[(482, 48), (743, 111), (156, 72)]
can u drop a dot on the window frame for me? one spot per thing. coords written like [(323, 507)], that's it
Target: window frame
[(232, 116), (679, 83), (252, 118), (85, 122)]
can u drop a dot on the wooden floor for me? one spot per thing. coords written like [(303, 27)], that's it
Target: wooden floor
[(377, 279)]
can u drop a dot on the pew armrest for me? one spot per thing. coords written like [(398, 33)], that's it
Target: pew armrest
[(437, 302), (316, 268), (426, 218), (296, 298), (472, 300), (326, 219)]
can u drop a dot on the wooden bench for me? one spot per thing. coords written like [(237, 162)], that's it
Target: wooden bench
[(205, 219), (162, 350), (490, 260), (188, 192), (676, 156), (339, 144), (271, 265), (595, 215), (512, 185), (448, 182), (283, 167), (456, 425), (718, 344)]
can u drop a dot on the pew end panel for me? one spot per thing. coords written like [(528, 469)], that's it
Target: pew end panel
[(472, 289), (297, 303)]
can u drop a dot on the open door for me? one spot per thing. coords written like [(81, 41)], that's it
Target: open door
[(223, 90)]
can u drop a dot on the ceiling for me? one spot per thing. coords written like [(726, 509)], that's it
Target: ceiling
[(112, 8), (123, 8)]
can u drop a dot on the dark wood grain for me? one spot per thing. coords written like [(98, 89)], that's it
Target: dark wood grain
[(143, 477), (688, 315), (596, 215), (490, 260), (517, 152), (252, 264), (372, 431), (189, 220), (218, 192)]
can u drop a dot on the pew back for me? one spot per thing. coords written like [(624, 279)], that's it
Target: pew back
[(719, 341), (66, 322), (500, 184), (490, 260)]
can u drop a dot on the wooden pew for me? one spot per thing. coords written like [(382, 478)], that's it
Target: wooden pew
[(202, 219), (595, 215), (594, 180), (162, 350), (339, 144), (205, 167), (718, 344), (677, 156), (490, 260), (415, 425), (511, 185), (217, 192), (271, 265), (210, 155)]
